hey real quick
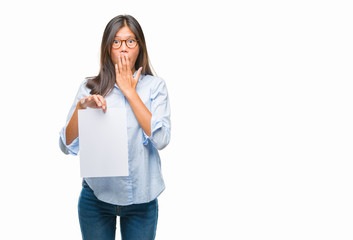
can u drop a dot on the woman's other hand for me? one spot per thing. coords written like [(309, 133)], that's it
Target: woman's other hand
[(124, 79)]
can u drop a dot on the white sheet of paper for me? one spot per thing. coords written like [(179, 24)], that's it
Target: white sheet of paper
[(103, 142)]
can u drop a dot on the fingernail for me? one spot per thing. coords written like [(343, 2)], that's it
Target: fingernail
[(99, 104)]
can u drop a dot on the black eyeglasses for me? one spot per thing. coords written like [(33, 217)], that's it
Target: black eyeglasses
[(130, 43)]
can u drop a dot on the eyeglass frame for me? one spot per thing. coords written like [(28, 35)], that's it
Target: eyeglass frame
[(125, 43)]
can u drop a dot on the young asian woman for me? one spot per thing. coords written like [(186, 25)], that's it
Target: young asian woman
[(125, 80)]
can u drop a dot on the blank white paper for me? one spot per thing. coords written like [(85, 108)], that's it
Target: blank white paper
[(103, 142)]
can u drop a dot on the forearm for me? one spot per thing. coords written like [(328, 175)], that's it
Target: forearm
[(142, 114), (72, 128)]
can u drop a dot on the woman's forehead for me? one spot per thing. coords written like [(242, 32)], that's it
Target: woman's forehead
[(124, 32)]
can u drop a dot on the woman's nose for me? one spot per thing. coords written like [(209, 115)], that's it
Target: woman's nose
[(123, 46)]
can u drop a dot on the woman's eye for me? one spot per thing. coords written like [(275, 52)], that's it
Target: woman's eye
[(116, 41), (131, 40)]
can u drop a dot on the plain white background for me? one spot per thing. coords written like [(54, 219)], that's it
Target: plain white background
[(261, 97)]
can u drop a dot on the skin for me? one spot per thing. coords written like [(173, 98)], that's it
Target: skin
[(124, 59)]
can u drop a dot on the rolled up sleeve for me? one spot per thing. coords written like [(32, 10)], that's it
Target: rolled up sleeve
[(73, 148), (160, 122)]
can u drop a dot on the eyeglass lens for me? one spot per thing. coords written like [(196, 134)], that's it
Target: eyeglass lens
[(130, 43)]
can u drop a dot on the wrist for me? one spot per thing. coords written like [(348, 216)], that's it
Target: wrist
[(129, 92)]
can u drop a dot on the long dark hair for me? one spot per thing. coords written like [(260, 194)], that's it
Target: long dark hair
[(103, 84)]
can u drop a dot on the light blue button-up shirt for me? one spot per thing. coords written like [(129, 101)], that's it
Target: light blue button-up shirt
[(145, 181)]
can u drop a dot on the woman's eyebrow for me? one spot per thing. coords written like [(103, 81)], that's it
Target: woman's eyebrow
[(130, 36)]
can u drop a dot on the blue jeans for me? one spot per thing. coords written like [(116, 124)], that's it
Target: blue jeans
[(98, 218)]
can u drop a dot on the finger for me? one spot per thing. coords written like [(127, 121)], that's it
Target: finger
[(128, 69), (101, 99), (128, 66), (120, 67), (82, 102), (137, 76), (98, 103), (116, 69), (123, 61), (104, 103), (86, 101)]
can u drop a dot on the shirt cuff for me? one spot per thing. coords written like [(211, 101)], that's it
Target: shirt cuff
[(153, 130), (159, 136), (72, 148)]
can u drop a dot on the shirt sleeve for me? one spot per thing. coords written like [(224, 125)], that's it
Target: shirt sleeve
[(160, 122), (72, 148)]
